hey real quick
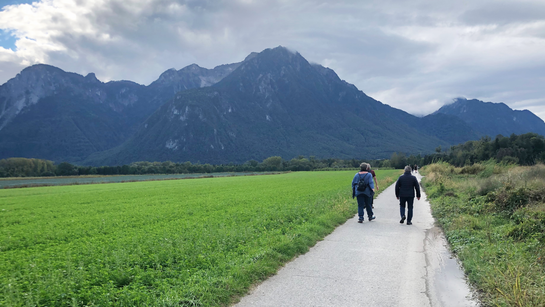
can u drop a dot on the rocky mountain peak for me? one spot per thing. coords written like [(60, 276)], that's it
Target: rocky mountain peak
[(251, 56), (91, 77), (168, 76), (28, 87), (193, 68), (489, 118), (191, 76)]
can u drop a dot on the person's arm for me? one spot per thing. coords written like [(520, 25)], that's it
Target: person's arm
[(376, 182), (417, 188), (397, 189)]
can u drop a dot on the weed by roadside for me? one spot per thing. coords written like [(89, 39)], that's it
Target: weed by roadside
[(494, 218)]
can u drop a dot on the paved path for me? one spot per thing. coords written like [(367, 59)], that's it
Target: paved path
[(378, 263)]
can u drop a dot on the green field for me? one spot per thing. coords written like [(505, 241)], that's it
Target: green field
[(26, 182), (199, 242)]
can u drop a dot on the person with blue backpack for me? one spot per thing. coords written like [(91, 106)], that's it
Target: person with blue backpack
[(363, 188)]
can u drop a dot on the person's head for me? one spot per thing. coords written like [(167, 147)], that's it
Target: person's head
[(408, 169), (364, 167)]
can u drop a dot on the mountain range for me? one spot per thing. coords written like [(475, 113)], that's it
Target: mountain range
[(274, 103)]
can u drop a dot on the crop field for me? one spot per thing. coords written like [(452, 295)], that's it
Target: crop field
[(24, 182), (199, 242)]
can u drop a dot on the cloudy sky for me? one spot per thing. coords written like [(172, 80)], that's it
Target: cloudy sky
[(413, 55)]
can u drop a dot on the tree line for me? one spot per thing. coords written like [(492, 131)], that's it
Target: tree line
[(22, 167), (525, 149)]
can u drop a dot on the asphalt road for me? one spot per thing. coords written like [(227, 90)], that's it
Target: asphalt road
[(378, 263)]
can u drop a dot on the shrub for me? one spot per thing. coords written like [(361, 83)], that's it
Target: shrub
[(472, 169), (535, 172), (440, 168), (529, 224), (507, 199), (488, 185)]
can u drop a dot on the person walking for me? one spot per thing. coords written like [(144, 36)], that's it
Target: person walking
[(363, 189), (376, 185), (406, 185)]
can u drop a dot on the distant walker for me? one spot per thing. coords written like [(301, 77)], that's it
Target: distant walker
[(405, 187)]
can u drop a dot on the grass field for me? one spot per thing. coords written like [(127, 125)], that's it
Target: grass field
[(200, 242), (27, 182)]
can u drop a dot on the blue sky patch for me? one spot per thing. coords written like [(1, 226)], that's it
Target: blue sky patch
[(11, 2), (7, 40)]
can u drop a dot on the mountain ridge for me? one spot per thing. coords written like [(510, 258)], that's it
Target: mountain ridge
[(272, 103), (295, 107), (90, 115), (489, 118)]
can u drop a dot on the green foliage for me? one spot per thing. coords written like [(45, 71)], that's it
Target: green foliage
[(529, 224), (488, 185), (472, 169), (508, 199), (21, 167), (398, 160), (162, 243), (494, 218), (66, 169), (273, 163), (524, 149)]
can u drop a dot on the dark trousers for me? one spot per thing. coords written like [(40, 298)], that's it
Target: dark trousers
[(364, 202), (409, 201)]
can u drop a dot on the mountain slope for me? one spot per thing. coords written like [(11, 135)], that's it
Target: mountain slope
[(275, 103), (488, 118), (48, 113)]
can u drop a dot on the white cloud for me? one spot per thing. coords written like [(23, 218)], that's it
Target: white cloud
[(413, 55)]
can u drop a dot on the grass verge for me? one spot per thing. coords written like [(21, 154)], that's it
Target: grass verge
[(494, 219)]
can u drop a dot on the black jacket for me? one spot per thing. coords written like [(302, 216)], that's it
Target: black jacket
[(406, 185)]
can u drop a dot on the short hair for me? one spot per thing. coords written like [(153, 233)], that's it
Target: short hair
[(364, 166), (408, 168)]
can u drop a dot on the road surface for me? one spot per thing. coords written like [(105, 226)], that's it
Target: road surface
[(378, 263)]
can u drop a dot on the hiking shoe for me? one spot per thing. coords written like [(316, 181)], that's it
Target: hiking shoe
[(402, 220), (360, 221), (372, 218), (409, 223)]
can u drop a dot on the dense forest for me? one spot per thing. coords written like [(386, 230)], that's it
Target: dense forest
[(525, 149)]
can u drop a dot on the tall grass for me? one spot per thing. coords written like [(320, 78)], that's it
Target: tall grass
[(494, 218)]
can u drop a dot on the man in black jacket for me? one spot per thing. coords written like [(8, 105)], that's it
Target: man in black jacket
[(405, 187)]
